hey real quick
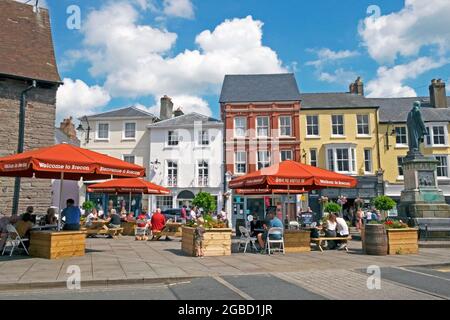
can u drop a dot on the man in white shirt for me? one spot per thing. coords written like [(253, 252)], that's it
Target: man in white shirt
[(341, 231), (193, 214)]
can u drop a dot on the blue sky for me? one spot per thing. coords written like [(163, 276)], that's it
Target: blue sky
[(326, 43)]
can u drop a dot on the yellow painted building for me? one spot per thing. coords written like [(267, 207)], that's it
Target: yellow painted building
[(368, 138)]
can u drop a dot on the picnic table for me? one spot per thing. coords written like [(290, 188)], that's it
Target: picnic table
[(44, 227), (171, 229)]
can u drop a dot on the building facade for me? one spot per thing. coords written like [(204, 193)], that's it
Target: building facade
[(121, 134), (261, 118), (186, 156), (26, 56)]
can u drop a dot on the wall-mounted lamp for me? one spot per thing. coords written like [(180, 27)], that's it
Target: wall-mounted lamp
[(82, 129), (392, 132)]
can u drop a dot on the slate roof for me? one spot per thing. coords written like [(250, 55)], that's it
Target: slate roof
[(186, 119), (128, 112), (390, 109), (259, 88), (334, 100), (61, 137), (397, 109), (26, 45)]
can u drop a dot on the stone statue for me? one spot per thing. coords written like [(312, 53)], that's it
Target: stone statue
[(416, 129)]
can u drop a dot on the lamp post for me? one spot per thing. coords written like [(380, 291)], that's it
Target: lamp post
[(82, 129)]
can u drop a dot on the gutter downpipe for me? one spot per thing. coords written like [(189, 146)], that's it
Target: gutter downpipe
[(23, 103)]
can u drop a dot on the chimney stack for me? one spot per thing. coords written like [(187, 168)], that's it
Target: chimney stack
[(357, 87), (166, 111), (438, 97), (68, 128)]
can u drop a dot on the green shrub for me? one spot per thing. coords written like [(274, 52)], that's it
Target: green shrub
[(332, 207), (88, 206), (384, 203), (205, 201)]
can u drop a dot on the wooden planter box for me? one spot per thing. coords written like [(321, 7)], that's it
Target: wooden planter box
[(57, 245), (403, 241), (217, 242), (128, 228), (297, 241)]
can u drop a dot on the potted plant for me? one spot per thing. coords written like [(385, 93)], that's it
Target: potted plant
[(217, 237), (88, 206), (384, 204), (332, 207)]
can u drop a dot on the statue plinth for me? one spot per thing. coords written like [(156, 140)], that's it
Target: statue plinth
[(421, 196)]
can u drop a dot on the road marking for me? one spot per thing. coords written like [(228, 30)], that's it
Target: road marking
[(232, 288), (422, 273)]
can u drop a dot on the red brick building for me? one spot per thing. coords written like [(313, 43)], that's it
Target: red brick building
[(261, 117)]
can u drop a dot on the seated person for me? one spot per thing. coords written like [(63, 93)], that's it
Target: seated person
[(23, 227), (114, 219), (50, 217), (4, 221), (130, 217), (142, 219), (253, 225), (330, 230), (272, 222), (72, 214), (123, 214), (341, 231), (91, 217), (158, 222)]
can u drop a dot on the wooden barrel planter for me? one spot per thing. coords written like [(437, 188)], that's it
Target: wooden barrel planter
[(375, 240), (297, 241), (216, 242)]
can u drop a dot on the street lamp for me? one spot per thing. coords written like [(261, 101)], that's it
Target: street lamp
[(82, 129)]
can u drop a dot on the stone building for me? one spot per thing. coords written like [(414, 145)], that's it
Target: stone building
[(26, 55)]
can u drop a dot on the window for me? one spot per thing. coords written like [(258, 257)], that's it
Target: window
[(164, 202), (312, 125), (262, 126), (130, 130), (313, 157), (203, 173), (337, 123), (442, 167), (330, 159), (172, 173), (363, 124), (437, 135), (240, 162), (285, 126), (172, 138), (341, 159), (129, 158), (203, 138), (286, 155), (263, 159), (400, 165), (240, 127), (401, 137), (368, 160), (103, 131)]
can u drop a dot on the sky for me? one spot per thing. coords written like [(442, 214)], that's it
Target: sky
[(114, 54)]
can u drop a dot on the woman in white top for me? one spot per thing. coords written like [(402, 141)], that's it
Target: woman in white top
[(330, 230)]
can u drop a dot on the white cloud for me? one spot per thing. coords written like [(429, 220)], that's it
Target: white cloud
[(179, 8), (76, 98), (404, 33), (338, 76), (326, 55), (136, 60), (389, 81)]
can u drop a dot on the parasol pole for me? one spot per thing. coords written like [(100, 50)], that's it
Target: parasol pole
[(61, 182), (129, 204)]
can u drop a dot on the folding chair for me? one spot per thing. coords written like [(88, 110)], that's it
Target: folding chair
[(14, 240), (275, 231), (245, 240), (141, 231)]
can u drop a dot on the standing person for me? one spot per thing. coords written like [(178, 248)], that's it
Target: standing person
[(193, 214), (198, 237), (183, 214), (359, 218), (341, 232), (368, 216), (72, 214)]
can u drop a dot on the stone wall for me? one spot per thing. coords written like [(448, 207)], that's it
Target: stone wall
[(39, 132)]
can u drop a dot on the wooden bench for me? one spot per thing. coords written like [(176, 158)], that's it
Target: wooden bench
[(321, 239), (172, 229), (112, 232), (432, 225)]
